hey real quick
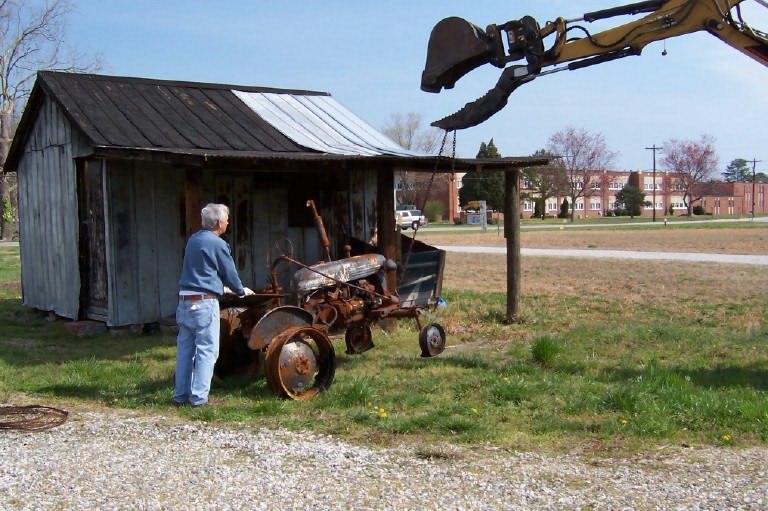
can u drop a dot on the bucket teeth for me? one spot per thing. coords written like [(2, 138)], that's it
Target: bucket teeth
[(480, 110)]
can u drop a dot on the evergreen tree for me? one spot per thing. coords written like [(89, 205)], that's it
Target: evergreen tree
[(631, 198), (738, 171), (487, 185), (563, 209)]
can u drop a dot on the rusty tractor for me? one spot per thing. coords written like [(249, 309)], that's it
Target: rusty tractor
[(286, 336)]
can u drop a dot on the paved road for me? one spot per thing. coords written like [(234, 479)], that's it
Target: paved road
[(618, 254)]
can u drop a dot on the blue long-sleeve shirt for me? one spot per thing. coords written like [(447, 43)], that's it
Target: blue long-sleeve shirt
[(208, 265)]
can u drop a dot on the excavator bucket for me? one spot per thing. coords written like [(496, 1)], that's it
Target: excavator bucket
[(455, 48)]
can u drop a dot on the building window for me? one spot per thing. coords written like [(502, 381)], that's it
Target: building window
[(594, 206), (595, 186), (579, 206)]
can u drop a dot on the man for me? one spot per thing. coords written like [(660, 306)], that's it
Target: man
[(207, 268)]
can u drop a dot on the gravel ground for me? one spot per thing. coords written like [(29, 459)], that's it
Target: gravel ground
[(124, 460)]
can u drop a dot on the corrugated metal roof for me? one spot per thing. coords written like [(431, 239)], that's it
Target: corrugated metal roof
[(321, 123), (118, 115)]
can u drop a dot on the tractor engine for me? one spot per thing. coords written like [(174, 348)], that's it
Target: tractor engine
[(348, 294)]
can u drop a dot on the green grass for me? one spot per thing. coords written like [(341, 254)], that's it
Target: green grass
[(623, 222), (575, 372)]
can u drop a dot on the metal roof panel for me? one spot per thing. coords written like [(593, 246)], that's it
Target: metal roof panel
[(321, 123)]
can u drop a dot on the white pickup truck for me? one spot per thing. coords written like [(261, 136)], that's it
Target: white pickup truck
[(409, 218)]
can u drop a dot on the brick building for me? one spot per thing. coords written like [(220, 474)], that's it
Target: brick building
[(662, 191), (718, 198)]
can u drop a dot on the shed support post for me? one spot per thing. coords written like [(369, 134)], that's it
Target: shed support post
[(512, 235), (386, 235), (193, 193)]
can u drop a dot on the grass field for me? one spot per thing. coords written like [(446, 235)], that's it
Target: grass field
[(611, 355)]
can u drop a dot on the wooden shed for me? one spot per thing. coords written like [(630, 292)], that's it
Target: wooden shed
[(113, 172)]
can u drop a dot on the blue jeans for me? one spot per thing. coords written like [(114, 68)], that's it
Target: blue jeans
[(197, 348)]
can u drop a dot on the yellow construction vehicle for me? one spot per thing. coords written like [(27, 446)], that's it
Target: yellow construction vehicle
[(456, 46)]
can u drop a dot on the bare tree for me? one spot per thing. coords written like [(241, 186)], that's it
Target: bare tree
[(31, 38), (407, 132), (690, 162), (585, 157), (543, 182)]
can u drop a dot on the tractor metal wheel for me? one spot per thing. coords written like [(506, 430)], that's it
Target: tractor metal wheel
[(300, 362), (358, 338), (432, 340)]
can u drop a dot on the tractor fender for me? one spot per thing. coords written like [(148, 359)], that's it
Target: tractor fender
[(275, 321)]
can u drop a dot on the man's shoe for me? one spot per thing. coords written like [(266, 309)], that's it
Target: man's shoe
[(210, 402), (177, 404)]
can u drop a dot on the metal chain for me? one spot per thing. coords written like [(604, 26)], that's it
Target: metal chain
[(429, 189)]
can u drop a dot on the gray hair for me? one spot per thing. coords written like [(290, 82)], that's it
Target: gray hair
[(212, 213)]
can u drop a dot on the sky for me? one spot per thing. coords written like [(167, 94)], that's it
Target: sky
[(370, 55)]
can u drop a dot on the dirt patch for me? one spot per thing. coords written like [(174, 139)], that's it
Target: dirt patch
[(725, 240), (635, 282)]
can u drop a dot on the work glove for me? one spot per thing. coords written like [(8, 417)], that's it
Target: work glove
[(248, 291), (228, 291)]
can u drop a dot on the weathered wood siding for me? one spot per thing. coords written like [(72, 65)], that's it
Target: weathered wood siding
[(362, 205), (144, 240), (48, 217), (259, 226)]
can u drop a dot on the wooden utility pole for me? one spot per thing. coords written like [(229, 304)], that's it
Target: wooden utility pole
[(755, 161), (512, 235), (654, 149)]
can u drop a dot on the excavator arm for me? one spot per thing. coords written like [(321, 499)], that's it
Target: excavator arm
[(456, 46)]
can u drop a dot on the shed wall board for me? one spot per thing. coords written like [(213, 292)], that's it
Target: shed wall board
[(144, 255), (48, 220)]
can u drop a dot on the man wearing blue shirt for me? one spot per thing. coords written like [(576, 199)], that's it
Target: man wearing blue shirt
[(207, 268)]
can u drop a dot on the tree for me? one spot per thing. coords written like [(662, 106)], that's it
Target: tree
[(31, 38), (543, 182), (690, 162), (487, 185), (407, 132), (585, 157), (631, 198), (738, 171)]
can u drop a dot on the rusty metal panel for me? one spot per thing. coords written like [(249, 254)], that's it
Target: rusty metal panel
[(48, 216), (421, 282)]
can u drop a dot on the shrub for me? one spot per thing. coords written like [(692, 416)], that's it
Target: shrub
[(433, 210)]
